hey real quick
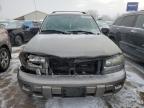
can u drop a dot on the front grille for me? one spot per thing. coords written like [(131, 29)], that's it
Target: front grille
[(72, 66)]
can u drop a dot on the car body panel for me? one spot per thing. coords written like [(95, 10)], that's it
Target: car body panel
[(75, 80), (49, 86), (72, 45)]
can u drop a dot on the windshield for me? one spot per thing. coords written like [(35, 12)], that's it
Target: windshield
[(70, 23)]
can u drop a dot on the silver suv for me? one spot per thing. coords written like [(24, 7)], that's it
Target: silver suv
[(70, 57)]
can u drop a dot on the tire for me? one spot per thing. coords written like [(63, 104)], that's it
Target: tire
[(4, 59), (18, 40)]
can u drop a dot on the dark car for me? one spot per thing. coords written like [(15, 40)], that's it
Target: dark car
[(21, 31), (5, 49), (33, 25), (128, 33)]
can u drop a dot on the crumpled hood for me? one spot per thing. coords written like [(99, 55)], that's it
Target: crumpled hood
[(72, 45)]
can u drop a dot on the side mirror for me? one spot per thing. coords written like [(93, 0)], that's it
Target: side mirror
[(105, 31)]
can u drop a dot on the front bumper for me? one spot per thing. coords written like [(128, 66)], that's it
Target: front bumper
[(49, 86)]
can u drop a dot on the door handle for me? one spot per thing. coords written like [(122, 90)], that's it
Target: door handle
[(133, 31)]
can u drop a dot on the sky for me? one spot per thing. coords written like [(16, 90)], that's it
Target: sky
[(10, 9)]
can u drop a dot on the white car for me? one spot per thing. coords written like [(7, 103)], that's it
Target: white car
[(70, 57)]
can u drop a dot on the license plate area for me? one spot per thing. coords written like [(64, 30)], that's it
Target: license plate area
[(73, 91)]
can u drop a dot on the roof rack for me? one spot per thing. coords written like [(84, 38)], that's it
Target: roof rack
[(69, 11)]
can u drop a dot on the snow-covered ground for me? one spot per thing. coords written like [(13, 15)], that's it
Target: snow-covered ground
[(131, 96)]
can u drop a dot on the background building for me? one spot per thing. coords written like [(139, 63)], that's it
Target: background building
[(34, 16)]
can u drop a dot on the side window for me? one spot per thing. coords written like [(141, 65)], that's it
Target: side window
[(118, 21), (140, 21), (128, 21)]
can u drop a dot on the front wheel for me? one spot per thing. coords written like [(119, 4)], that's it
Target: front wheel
[(4, 59)]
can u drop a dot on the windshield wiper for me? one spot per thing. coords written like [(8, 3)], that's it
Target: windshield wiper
[(54, 31), (81, 31)]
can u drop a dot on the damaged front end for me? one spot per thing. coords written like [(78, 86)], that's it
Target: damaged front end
[(53, 65), (47, 75)]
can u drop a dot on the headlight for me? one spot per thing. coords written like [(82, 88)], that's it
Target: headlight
[(114, 64), (34, 63), (115, 60)]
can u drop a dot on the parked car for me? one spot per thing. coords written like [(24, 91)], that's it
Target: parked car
[(33, 25), (21, 31), (70, 57), (5, 49), (128, 33)]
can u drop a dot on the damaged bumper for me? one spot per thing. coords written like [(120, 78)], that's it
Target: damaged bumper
[(67, 86)]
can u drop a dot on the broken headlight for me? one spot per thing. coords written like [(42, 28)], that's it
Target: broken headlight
[(114, 64), (34, 63)]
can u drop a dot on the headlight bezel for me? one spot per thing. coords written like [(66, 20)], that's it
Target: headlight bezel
[(39, 67), (113, 64), (114, 60)]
